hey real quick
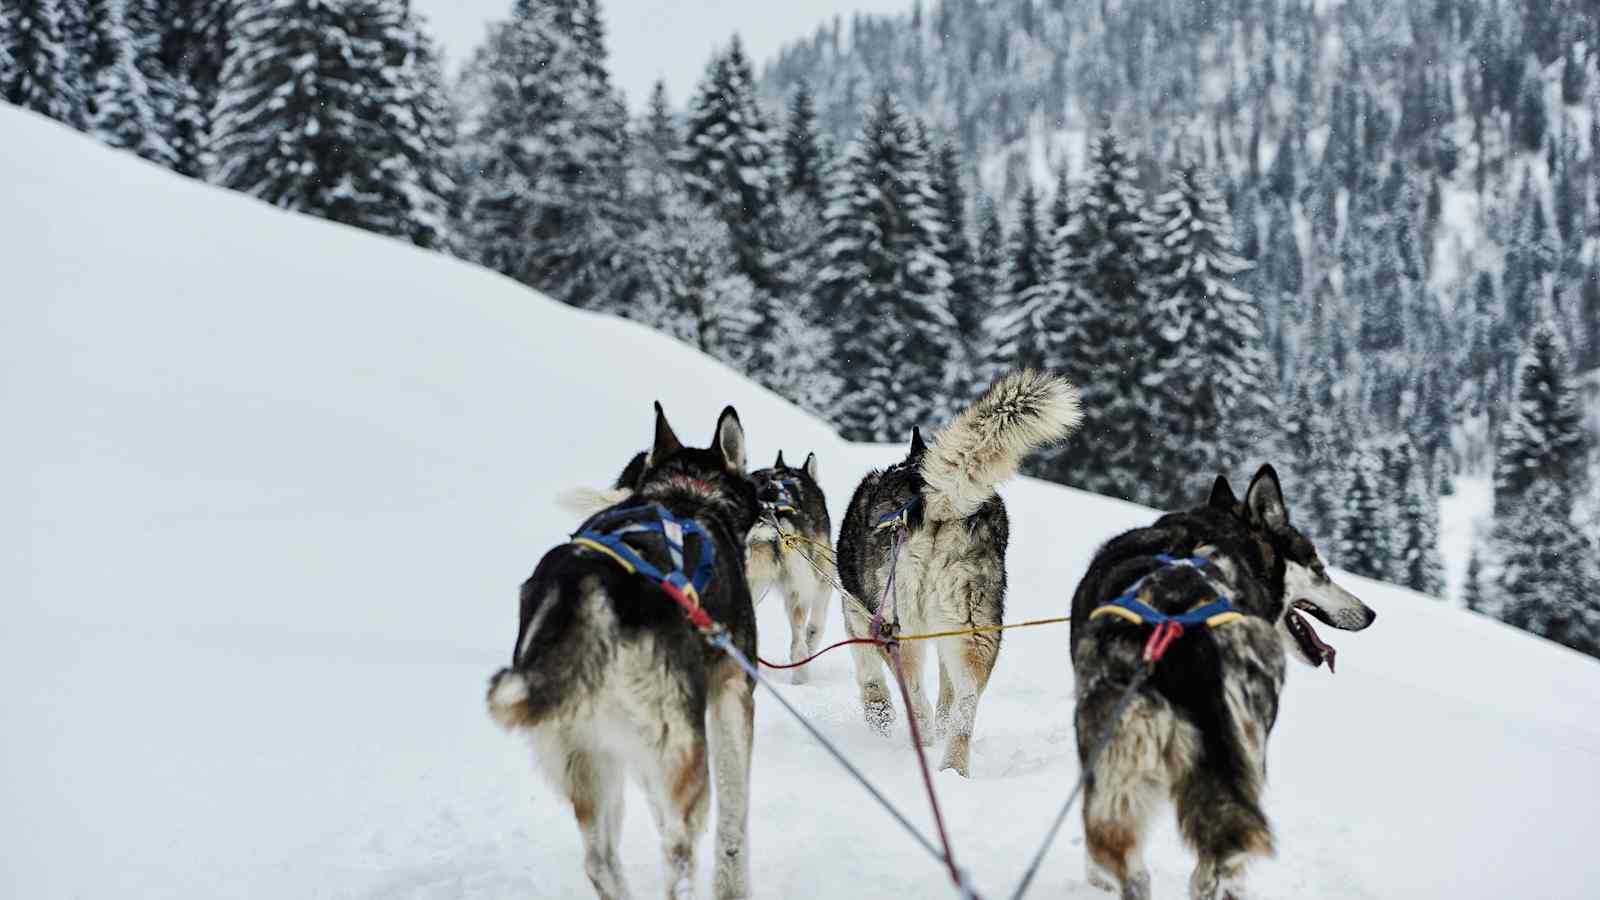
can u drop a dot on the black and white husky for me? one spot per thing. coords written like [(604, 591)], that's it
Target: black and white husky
[(607, 676), (951, 571), (1196, 732), (797, 569), (791, 500)]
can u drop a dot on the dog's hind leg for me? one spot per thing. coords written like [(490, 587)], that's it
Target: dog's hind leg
[(967, 662), (797, 605), (821, 592), (941, 710), (869, 663), (912, 654), (1221, 819), (678, 788), (1130, 777), (732, 709), (592, 781)]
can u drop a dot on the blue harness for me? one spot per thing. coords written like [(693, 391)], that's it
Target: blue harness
[(1126, 606), (604, 534), (901, 516)]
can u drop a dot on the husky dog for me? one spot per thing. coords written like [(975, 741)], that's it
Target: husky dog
[(951, 571), (1196, 732), (792, 500), (606, 674)]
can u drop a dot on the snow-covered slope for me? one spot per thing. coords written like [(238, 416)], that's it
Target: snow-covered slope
[(270, 486)]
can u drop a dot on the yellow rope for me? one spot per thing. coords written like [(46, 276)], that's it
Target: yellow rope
[(984, 629)]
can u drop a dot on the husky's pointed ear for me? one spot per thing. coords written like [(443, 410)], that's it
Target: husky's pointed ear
[(811, 466), (779, 464), (1263, 502), (1222, 495), (666, 443), (729, 440), (917, 446)]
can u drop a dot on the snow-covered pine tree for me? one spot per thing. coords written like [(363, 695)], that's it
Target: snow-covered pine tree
[(121, 109), (1016, 330), (288, 122), (1110, 252), (1548, 582), (1472, 588), (1210, 385), (40, 75), (1365, 523), (883, 283), (193, 45), (731, 165), (966, 304), (403, 159), (547, 154), (1416, 563), (1542, 439), (805, 157)]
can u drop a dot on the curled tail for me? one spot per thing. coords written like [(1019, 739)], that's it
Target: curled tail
[(986, 443)]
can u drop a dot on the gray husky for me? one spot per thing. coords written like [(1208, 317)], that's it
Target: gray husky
[(791, 500), (607, 676), (951, 570), (1196, 732)]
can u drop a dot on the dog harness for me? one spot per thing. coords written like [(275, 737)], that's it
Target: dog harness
[(900, 518), (1217, 611), (604, 534)]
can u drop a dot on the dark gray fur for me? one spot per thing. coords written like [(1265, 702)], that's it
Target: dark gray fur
[(1217, 793)]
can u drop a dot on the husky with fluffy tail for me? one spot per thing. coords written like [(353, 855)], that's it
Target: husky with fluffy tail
[(607, 676), (791, 500), (1196, 732), (951, 572)]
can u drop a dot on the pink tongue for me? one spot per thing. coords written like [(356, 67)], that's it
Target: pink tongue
[(1327, 651)]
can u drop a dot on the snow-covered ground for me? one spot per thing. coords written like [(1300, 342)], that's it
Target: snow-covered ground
[(271, 484)]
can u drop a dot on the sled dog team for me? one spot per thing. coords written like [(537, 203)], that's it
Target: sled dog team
[(608, 679)]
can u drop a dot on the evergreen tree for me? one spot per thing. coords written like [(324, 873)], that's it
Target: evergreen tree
[(883, 283), (1532, 116), (120, 109), (1365, 525), (547, 200), (404, 124), (966, 304), (1018, 331), (804, 157), (1417, 563), (1548, 583), (730, 164), (193, 45), (41, 76), (1542, 439), (1472, 588), (1210, 385), (289, 116), (1109, 247)]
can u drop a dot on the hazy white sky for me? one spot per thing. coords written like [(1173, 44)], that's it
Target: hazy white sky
[(670, 39)]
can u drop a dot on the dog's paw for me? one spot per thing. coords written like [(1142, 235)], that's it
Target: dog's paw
[(799, 676), (880, 716)]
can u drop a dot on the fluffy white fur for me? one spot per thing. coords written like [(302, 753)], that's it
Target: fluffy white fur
[(986, 443), (586, 502)]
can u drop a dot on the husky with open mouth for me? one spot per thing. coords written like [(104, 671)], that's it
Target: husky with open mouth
[(1196, 732)]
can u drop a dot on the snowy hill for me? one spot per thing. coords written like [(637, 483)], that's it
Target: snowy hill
[(272, 483)]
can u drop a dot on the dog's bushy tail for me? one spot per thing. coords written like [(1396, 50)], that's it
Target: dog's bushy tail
[(986, 443), (585, 502)]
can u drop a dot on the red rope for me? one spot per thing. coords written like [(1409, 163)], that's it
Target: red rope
[(796, 665), (927, 774)]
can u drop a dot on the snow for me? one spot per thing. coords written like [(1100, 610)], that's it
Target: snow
[(271, 484)]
